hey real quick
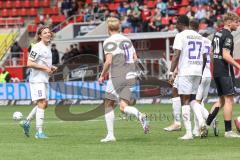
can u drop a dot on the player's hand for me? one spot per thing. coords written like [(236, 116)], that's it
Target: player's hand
[(48, 70), (54, 69), (101, 79)]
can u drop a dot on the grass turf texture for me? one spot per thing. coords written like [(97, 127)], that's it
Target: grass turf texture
[(81, 140)]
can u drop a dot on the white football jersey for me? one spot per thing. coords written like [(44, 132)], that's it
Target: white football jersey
[(122, 51), (191, 45), (207, 47), (41, 54)]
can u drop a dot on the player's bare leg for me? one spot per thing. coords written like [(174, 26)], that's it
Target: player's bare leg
[(130, 110)]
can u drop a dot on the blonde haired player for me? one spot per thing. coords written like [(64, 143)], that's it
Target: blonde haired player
[(223, 74), (120, 57), (40, 62)]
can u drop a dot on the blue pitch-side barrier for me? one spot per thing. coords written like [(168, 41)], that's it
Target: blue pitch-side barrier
[(59, 90)]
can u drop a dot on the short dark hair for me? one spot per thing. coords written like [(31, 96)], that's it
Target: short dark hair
[(183, 20), (194, 24)]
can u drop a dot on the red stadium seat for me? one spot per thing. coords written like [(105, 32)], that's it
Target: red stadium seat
[(2, 22), (4, 13), (182, 11), (22, 21), (127, 30), (17, 4), (151, 4), (37, 20), (14, 12), (26, 4), (32, 28), (79, 18), (11, 21), (45, 3), (88, 2), (1, 5), (58, 19), (32, 12), (8, 4), (185, 2), (238, 11), (23, 12), (46, 11), (55, 11), (113, 6), (165, 20), (36, 3)]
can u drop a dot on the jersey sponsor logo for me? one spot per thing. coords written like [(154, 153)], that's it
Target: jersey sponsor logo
[(112, 46), (217, 56), (228, 42), (33, 54)]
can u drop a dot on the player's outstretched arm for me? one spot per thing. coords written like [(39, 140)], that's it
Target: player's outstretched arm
[(227, 57)]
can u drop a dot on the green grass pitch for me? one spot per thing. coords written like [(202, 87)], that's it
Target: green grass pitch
[(81, 140)]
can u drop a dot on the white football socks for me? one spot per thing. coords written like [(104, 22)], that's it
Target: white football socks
[(176, 106), (196, 107), (196, 125), (109, 118), (39, 119), (186, 118), (32, 114)]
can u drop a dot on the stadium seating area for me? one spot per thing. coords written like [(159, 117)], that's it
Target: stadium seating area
[(136, 15)]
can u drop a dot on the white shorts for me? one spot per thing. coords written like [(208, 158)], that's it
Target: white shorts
[(175, 83), (188, 84), (203, 88), (39, 91)]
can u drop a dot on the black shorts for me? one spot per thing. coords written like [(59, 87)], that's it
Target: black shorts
[(225, 86)]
